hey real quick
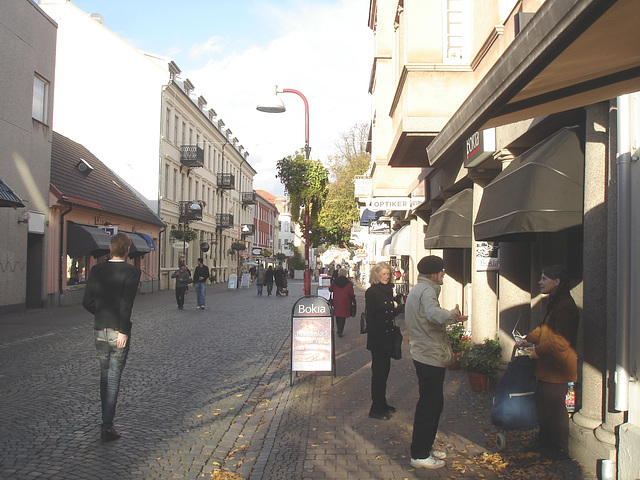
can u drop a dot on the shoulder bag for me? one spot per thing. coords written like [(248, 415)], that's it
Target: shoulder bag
[(354, 308)]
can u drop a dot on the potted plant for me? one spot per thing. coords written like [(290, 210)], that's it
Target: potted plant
[(187, 234), (458, 340), (481, 360), (238, 246), (213, 278)]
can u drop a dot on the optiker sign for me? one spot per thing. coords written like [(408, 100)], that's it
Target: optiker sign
[(395, 203)]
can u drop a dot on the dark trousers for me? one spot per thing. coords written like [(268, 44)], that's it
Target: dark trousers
[(428, 409), (380, 367), (269, 288), (552, 415), (180, 295), (340, 324)]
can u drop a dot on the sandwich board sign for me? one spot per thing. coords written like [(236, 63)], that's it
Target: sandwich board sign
[(312, 342)]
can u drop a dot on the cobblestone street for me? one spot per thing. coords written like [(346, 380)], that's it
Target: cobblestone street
[(209, 390)]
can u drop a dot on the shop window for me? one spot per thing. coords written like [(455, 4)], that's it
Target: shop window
[(77, 270)]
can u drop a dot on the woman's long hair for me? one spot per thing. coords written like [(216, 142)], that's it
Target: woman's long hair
[(373, 277)]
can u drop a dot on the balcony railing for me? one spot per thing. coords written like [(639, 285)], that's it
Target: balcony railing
[(248, 198), (191, 156), (247, 230), (224, 220), (226, 180), (193, 214)]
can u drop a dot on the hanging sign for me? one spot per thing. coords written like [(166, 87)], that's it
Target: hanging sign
[(180, 245)]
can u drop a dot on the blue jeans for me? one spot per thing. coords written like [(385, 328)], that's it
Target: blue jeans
[(200, 292), (112, 362)]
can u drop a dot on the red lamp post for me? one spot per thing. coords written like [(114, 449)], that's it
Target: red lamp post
[(275, 105)]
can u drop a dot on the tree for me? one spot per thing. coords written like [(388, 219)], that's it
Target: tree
[(340, 208), (306, 182)]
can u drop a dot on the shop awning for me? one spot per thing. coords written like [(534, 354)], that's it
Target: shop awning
[(540, 191), (139, 246), (368, 216), (82, 239), (400, 241), (149, 240), (7, 196), (386, 245), (450, 225)]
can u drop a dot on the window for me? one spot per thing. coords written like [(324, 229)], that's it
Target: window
[(175, 129), (456, 28), (184, 133), (168, 124), (167, 171), (40, 99), (77, 270)]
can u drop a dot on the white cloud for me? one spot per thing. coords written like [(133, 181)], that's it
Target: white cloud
[(325, 53), (213, 45)]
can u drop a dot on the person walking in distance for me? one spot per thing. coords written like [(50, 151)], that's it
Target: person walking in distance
[(268, 280), (431, 352), (109, 295), (343, 293), (260, 276), (183, 279), (200, 276)]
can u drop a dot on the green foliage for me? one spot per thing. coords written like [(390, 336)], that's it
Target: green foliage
[(297, 261), (482, 357), (238, 246), (186, 234), (458, 338), (306, 183), (266, 253), (341, 209), (281, 257)]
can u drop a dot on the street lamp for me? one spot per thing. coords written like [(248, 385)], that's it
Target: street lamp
[(274, 104)]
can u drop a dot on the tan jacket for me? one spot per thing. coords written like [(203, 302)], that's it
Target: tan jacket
[(427, 324), (555, 341)]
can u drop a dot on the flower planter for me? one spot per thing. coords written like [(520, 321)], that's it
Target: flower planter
[(455, 365), (478, 381)]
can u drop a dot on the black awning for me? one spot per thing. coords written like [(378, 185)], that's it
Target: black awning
[(82, 239), (139, 246), (8, 198), (450, 225), (540, 191), (368, 216)]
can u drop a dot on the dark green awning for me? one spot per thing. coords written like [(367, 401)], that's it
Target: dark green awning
[(540, 191), (450, 225), (82, 239)]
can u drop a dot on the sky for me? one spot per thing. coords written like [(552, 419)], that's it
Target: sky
[(235, 52)]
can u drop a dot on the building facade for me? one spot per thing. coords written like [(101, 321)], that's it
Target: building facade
[(156, 133), (523, 123), (28, 37), (87, 204), (265, 222)]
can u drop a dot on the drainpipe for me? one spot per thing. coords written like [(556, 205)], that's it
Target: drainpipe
[(62, 267), (159, 252), (623, 320)]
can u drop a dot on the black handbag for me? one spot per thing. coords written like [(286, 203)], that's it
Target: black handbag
[(363, 322), (354, 308), (397, 343)]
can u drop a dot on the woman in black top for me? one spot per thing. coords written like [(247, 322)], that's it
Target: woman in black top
[(381, 310)]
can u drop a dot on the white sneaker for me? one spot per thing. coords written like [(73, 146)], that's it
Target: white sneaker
[(431, 462), (439, 454)]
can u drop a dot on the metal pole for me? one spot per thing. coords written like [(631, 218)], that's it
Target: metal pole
[(307, 151)]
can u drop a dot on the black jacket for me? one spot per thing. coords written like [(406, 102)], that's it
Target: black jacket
[(109, 294), (380, 315)]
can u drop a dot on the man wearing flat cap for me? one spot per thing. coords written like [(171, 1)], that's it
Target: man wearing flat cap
[(426, 322)]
